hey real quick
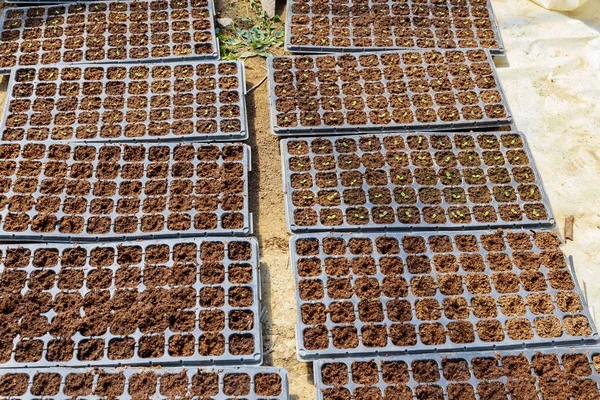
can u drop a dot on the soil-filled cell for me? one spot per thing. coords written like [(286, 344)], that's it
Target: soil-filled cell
[(324, 191), (369, 299)]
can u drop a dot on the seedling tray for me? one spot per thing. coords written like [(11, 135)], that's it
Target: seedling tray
[(381, 293), (318, 27), (196, 101), (385, 91), (193, 301), (111, 192), (412, 181), (252, 383), (23, 3), (111, 31), (551, 373)]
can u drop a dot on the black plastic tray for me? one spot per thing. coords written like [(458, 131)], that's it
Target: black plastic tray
[(90, 118), (335, 32), (190, 42), (94, 211), (69, 273), (403, 275), (386, 167), (395, 103), (558, 373), (253, 383)]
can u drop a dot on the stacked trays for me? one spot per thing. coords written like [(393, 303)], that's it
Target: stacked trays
[(378, 293), (112, 31), (136, 383), (388, 91), (412, 181), (121, 161), (317, 26), (421, 230), (176, 101), (194, 301)]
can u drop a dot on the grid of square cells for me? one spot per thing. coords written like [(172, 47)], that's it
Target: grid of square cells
[(387, 24), (106, 31), (124, 102), (387, 89)]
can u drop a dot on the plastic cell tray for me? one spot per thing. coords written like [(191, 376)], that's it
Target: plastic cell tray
[(83, 32), (548, 373), (158, 383), (375, 182), (385, 91), (315, 27), (111, 192), (183, 101), (23, 3), (382, 293), (145, 303)]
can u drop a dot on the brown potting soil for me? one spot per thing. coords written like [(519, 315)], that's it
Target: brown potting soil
[(167, 301), (102, 33), (336, 268), (219, 178), (490, 377), (367, 26), (334, 194), (112, 383), (365, 103)]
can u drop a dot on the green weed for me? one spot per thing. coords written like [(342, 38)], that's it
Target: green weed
[(251, 36)]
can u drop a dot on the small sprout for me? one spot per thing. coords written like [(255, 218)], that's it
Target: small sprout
[(403, 195), (353, 182), (485, 214), (476, 176), (433, 216), (383, 214), (303, 181), (378, 195), (307, 197), (456, 196), (536, 213), (407, 213), (344, 144), (512, 210), (448, 175), (348, 162)]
